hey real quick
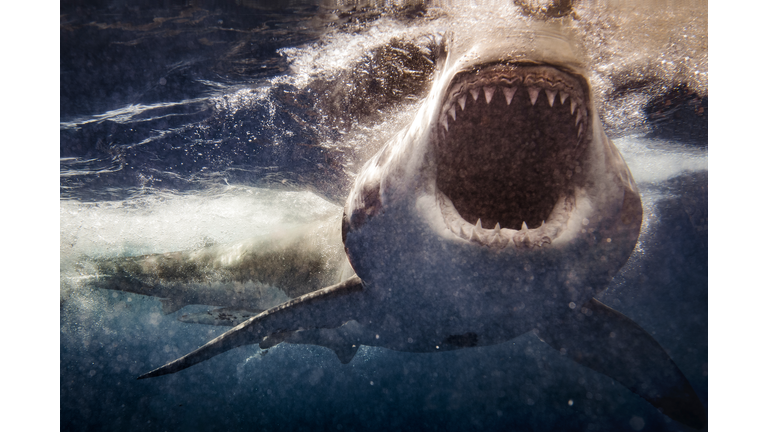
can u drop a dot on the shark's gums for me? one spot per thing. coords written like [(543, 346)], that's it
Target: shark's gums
[(502, 209)]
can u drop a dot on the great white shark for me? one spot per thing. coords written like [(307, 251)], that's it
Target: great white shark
[(241, 279), (503, 208)]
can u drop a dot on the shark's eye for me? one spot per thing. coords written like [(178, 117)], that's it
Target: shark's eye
[(509, 142)]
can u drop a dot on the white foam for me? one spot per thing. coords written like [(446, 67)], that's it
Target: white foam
[(162, 222), (654, 161)]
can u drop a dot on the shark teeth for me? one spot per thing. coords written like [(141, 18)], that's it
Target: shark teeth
[(472, 114), (509, 93), (460, 92), (499, 238), (463, 101), (488, 93), (533, 92), (551, 97)]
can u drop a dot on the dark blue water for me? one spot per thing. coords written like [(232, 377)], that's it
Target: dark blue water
[(170, 102)]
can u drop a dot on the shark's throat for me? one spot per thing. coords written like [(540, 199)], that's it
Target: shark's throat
[(508, 150)]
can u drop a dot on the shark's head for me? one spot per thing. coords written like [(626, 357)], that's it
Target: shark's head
[(506, 165)]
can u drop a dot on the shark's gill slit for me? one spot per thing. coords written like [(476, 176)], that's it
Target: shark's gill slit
[(509, 142)]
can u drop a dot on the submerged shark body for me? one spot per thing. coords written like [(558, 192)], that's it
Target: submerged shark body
[(241, 279), (502, 209)]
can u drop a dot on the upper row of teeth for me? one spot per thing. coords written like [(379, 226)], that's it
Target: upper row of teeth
[(509, 93)]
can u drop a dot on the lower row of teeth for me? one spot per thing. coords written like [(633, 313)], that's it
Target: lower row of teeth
[(499, 238), (509, 94)]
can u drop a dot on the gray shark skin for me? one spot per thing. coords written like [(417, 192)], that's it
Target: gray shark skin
[(243, 278), (502, 209)]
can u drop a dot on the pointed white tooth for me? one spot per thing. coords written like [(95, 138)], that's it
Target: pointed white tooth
[(478, 225), (488, 93), (444, 122), (551, 96), (578, 118), (462, 101), (475, 237), (466, 231), (452, 112), (573, 106), (498, 242), (578, 135), (524, 227), (563, 97), (533, 92), (542, 224), (497, 228), (475, 93), (509, 93)]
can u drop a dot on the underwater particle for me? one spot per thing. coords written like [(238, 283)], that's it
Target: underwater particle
[(570, 402)]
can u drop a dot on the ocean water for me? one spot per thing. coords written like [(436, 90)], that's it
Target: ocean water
[(184, 125)]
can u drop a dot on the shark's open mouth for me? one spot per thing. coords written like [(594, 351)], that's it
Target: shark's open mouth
[(508, 148)]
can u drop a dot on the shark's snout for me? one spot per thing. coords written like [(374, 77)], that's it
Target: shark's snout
[(507, 150)]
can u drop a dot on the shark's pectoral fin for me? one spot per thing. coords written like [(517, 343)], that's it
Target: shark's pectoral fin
[(170, 305), (329, 307), (603, 339)]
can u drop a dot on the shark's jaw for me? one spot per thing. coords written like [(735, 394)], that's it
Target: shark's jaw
[(507, 150)]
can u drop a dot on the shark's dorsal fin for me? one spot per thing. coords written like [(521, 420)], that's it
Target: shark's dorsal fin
[(603, 339), (329, 307)]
